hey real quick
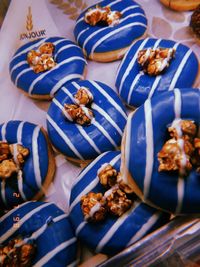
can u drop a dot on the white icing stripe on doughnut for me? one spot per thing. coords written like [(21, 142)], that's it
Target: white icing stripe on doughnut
[(179, 70), (110, 99), (23, 219), (3, 132), (19, 132), (64, 137), (80, 227), (104, 132), (29, 48), (114, 2), (129, 8), (177, 103), (108, 118), (84, 192), (63, 81), (88, 168), (113, 33), (24, 62), (67, 92), (149, 147), (21, 73), (74, 263), (137, 77), (180, 193), (53, 252), (12, 211), (147, 226), (132, 62), (80, 128), (42, 229), (20, 185), (87, 137), (115, 227), (65, 47), (105, 29), (154, 86), (180, 182), (3, 191), (66, 61), (82, 32), (91, 186), (126, 151), (35, 153)]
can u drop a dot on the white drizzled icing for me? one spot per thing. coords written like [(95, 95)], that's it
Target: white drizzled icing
[(105, 37), (110, 191), (23, 219), (103, 166), (87, 113), (93, 210), (149, 147), (64, 137), (67, 115), (180, 69)]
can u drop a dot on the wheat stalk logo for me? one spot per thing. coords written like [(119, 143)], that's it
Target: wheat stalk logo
[(29, 22)]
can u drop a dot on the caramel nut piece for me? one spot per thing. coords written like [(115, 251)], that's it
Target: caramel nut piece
[(83, 96), (47, 48), (7, 168), (117, 202), (107, 176), (93, 207)]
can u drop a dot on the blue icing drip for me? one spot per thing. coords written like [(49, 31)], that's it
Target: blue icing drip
[(43, 83), (92, 234), (166, 199), (52, 236), (135, 86), (29, 185), (119, 39), (75, 134)]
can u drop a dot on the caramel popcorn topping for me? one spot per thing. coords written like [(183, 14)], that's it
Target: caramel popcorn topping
[(42, 59), (155, 61), (180, 152), (83, 96), (102, 15), (12, 158), (93, 207), (79, 114), (107, 176), (114, 201), (17, 253), (117, 202)]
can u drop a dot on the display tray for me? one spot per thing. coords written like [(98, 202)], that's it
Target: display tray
[(176, 243)]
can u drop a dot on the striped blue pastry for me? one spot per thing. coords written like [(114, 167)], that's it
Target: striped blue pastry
[(114, 233), (87, 142), (145, 135), (45, 225), (70, 67), (38, 169), (108, 43), (134, 86)]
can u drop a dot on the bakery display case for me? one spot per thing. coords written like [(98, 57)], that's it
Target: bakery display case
[(88, 120)]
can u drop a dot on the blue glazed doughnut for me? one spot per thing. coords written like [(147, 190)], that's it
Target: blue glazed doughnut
[(87, 142), (38, 169), (145, 135), (108, 43), (135, 86), (114, 233), (45, 225), (70, 67)]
